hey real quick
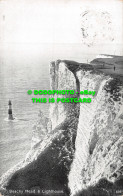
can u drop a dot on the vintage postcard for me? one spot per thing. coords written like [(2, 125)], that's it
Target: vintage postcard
[(61, 98)]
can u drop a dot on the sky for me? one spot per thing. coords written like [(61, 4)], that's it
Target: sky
[(39, 21), (25, 25), (52, 21)]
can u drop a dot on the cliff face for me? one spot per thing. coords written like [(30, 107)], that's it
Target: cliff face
[(47, 165), (81, 143), (99, 135), (62, 78), (98, 144)]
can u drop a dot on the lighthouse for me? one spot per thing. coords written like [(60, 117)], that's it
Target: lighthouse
[(10, 117)]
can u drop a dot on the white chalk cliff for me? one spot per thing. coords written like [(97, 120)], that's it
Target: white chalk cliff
[(99, 140), (82, 142)]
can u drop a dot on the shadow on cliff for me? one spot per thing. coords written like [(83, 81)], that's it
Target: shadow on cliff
[(103, 188), (51, 168)]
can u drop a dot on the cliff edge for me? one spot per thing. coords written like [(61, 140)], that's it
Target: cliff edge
[(81, 143)]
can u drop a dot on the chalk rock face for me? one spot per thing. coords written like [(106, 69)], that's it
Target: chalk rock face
[(61, 79), (99, 135), (47, 165), (40, 129), (81, 143)]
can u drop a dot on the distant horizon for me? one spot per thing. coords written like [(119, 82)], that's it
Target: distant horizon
[(40, 53)]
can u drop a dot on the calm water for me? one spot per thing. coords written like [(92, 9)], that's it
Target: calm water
[(24, 67)]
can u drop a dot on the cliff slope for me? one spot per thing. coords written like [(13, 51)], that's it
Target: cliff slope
[(47, 165), (99, 138), (81, 143)]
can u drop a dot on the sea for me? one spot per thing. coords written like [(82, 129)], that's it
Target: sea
[(23, 67)]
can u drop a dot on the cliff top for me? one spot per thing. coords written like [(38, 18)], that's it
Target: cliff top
[(108, 64)]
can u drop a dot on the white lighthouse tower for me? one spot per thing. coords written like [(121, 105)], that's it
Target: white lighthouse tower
[(10, 117)]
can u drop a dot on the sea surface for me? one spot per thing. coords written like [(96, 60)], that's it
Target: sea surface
[(25, 67)]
